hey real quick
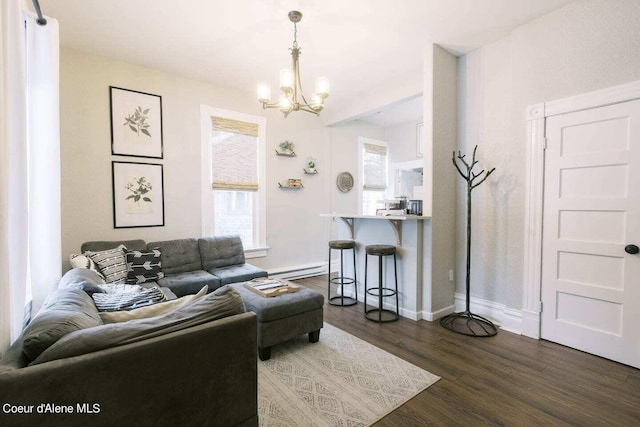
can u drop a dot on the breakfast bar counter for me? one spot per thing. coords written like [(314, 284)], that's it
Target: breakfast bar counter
[(395, 221), (407, 232)]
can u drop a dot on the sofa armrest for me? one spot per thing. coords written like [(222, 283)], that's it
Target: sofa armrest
[(204, 375)]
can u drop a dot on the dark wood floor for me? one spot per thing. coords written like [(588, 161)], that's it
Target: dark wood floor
[(505, 380)]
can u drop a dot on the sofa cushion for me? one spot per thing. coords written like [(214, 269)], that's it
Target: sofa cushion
[(112, 264), (178, 256), (152, 310), (103, 245), (237, 273), (66, 310), (83, 261), (143, 266), (220, 251), (221, 303), (82, 278), (190, 282)]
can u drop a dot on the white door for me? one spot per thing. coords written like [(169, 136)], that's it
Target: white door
[(590, 284)]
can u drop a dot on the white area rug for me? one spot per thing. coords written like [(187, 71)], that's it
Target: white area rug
[(339, 381)]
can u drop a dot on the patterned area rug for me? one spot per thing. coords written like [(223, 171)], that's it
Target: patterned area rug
[(339, 381)]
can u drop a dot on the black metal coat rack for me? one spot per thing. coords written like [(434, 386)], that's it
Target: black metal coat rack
[(465, 322)]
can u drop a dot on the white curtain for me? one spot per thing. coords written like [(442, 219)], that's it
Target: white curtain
[(30, 258)]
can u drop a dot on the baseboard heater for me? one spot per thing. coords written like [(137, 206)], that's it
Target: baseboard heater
[(299, 271)]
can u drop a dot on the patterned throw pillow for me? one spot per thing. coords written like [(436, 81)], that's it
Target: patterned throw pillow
[(83, 261), (112, 264), (143, 266)]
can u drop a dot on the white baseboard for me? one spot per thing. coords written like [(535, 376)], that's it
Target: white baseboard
[(506, 318), (435, 315), (299, 271)]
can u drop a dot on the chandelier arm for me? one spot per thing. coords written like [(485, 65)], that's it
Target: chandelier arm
[(309, 110)]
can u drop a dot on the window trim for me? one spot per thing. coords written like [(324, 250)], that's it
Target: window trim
[(206, 195)]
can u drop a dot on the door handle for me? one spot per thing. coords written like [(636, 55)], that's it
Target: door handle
[(631, 249)]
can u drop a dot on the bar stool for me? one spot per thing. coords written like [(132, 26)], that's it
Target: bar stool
[(341, 299), (381, 314)]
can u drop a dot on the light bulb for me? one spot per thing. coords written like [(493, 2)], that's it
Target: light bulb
[(286, 80), (285, 103), (322, 87), (264, 92)]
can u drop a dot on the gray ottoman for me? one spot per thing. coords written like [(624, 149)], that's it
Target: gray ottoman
[(284, 317)]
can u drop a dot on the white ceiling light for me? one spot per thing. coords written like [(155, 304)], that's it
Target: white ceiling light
[(290, 83)]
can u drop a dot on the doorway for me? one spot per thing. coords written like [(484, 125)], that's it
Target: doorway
[(582, 286)]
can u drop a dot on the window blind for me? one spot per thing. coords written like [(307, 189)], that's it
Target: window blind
[(234, 155), (375, 166)]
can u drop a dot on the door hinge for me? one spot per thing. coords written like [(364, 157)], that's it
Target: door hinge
[(539, 307), (544, 143)]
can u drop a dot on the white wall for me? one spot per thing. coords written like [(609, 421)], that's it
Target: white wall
[(585, 46), (402, 141), (295, 232), (441, 254)]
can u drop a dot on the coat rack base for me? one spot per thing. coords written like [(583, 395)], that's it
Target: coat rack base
[(467, 323)]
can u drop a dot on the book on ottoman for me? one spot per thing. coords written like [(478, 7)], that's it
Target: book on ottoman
[(270, 287)]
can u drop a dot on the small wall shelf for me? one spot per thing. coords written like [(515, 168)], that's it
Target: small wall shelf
[(313, 171), (286, 186), (286, 154)]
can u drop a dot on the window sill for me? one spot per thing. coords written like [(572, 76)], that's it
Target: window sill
[(256, 252)]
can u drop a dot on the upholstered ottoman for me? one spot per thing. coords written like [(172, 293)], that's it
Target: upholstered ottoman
[(284, 317)]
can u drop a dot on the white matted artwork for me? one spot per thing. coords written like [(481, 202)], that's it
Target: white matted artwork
[(138, 195), (136, 123)]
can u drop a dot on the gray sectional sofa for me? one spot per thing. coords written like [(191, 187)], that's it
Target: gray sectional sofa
[(188, 264), (196, 365)]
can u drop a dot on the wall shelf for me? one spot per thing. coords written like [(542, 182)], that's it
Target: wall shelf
[(313, 171), (290, 187), (286, 154)]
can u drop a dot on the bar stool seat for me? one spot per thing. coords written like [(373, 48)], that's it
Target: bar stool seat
[(381, 314), (341, 281)]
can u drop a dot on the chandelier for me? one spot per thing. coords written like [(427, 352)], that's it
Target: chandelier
[(290, 83)]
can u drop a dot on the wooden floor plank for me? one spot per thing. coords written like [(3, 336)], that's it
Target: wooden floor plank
[(504, 380)]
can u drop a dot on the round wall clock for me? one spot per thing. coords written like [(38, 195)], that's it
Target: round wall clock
[(344, 182)]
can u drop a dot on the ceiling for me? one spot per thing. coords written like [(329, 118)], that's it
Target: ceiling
[(358, 44)]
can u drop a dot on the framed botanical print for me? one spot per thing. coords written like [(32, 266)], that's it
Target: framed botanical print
[(138, 195), (136, 123)]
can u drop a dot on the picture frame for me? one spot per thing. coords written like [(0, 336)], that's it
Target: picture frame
[(420, 139), (138, 194), (136, 123)]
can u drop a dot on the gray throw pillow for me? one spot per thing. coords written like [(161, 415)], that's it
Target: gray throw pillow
[(112, 264), (66, 310), (223, 302)]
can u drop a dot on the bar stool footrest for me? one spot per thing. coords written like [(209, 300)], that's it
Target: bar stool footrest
[(347, 280), (342, 301), (381, 316), (386, 292)]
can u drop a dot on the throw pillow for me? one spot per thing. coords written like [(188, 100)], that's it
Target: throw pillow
[(66, 310), (127, 300), (83, 261), (112, 264), (223, 302), (152, 310), (143, 266)]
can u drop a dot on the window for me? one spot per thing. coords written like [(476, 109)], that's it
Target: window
[(233, 177), (373, 167)]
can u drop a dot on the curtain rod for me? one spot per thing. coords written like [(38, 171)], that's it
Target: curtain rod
[(40, 20)]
